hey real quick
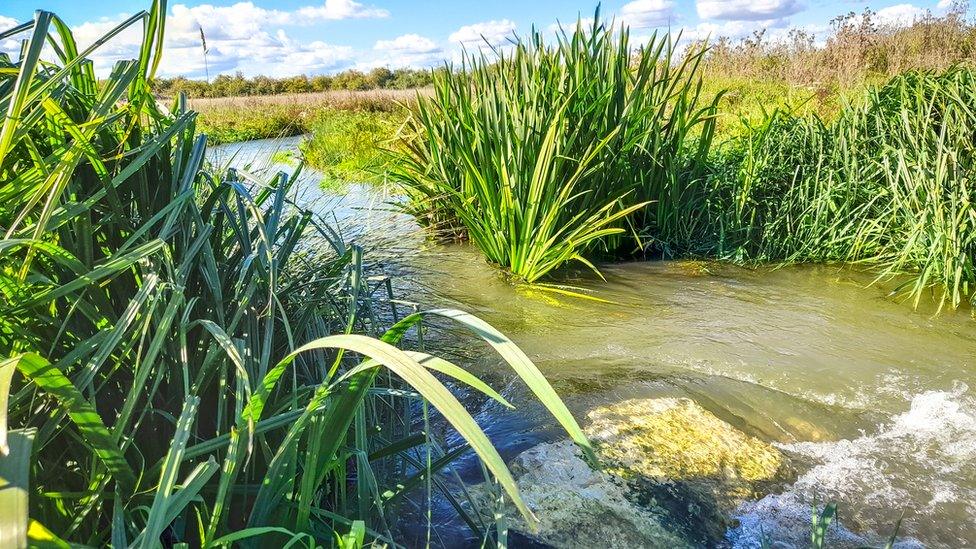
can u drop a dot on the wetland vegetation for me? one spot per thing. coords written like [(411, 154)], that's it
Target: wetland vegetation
[(195, 351)]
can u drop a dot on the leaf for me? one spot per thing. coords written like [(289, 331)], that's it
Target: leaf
[(81, 412), (14, 478)]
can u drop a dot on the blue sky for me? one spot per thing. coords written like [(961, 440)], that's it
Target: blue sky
[(286, 37)]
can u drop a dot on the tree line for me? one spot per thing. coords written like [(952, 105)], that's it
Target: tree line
[(226, 85)]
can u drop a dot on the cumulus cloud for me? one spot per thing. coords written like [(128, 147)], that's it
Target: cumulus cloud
[(734, 29), (409, 50), (340, 9), (240, 37), (10, 45), (900, 15), (642, 14), (747, 10), (492, 33)]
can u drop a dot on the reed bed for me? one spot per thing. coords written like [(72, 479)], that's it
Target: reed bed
[(543, 154), (188, 356), (887, 183)]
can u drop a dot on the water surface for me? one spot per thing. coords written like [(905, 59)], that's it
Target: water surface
[(871, 397)]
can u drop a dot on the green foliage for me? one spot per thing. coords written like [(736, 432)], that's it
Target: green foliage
[(226, 85), (348, 145), (541, 155), (200, 360), (888, 183), (234, 124)]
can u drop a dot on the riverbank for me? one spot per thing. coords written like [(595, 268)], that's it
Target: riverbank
[(245, 118)]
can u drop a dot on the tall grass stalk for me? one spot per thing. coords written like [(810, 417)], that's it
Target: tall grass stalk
[(542, 153), (188, 356), (887, 183)]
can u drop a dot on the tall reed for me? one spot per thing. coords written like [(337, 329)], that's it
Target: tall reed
[(200, 360), (542, 152), (888, 183)]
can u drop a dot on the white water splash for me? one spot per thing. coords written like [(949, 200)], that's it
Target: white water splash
[(923, 462)]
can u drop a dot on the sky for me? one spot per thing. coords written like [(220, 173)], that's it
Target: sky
[(288, 37)]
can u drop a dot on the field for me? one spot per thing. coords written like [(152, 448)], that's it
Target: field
[(228, 119)]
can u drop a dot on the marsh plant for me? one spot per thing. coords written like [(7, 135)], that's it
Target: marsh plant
[(546, 153), (887, 183), (188, 356)]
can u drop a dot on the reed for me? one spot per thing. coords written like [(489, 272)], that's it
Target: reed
[(542, 154), (188, 356), (886, 183)]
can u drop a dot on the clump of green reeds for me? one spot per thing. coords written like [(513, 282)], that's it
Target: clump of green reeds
[(540, 154), (888, 182), (188, 356)]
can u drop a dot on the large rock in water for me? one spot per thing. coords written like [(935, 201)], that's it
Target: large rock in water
[(673, 473)]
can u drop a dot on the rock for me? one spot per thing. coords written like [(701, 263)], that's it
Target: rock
[(678, 457), (673, 474), (579, 507)]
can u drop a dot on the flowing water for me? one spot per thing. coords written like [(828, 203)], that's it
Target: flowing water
[(870, 397)]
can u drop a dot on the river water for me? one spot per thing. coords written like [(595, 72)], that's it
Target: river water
[(873, 397)]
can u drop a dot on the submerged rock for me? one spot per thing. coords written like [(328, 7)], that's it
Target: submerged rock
[(579, 507), (678, 457), (673, 474)]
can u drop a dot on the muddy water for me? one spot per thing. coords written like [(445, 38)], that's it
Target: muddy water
[(871, 398)]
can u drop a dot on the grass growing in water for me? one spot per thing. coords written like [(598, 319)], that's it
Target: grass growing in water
[(187, 356), (887, 182), (541, 155), (349, 145)]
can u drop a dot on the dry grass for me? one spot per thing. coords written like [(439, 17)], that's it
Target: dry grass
[(227, 119), (366, 100), (860, 49)]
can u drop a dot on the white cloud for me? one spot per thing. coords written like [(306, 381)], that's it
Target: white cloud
[(409, 50), (340, 9), (733, 29), (747, 10), (413, 43), (240, 37), (900, 15), (7, 23), (642, 14), (492, 33), (10, 45)]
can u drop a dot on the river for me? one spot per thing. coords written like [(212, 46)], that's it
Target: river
[(873, 396)]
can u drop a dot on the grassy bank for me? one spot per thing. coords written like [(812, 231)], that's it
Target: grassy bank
[(229, 119), (886, 182), (351, 145), (187, 356), (811, 74)]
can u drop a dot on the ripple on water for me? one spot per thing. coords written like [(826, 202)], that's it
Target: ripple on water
[(923, 462)]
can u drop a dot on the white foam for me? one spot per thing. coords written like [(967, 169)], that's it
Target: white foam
[(922, 461)]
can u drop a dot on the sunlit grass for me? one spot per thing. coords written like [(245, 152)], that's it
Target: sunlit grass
[(190, 357), (541, 155)]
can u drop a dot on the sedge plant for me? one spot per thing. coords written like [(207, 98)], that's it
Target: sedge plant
[(187, 355), (887, 183), (542, 153)]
